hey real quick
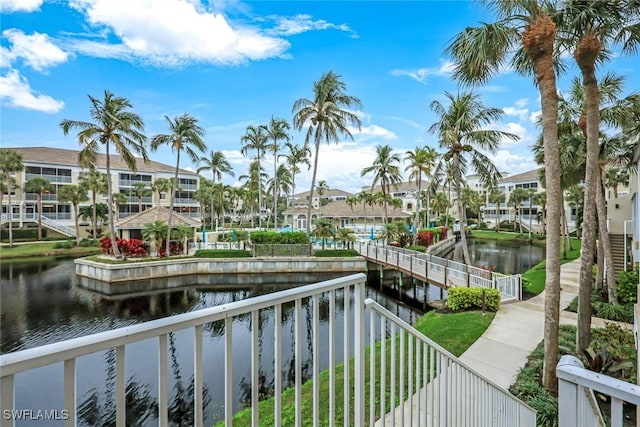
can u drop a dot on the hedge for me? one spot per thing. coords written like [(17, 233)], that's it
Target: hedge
[(273, 237), (23, 233), (327, 253), (461, 298), (418, 248), (222, 253)]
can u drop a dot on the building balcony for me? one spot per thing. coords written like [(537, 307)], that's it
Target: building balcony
[(51, 178)]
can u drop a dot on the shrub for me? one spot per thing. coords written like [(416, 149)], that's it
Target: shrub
[(326, 253), (222, 253), (64, 244), (87, 243), (130, 248), (627, 286), (418, 248), (22, 233), (273, 237), (461, 298), (619, 313), (425, 238)]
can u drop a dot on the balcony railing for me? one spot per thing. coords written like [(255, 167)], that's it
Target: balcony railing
[(439, 389), (45, 197), (51, 178)]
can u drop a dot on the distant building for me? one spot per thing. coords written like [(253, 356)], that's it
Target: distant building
[(301, 200)]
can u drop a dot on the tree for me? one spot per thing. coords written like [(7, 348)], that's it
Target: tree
[(323, 229), (327, 117), (540, 199), (422, 160), (100, 210), (38, 186), (159, 186), (322, 187), (113, 125), (298, 155), (204, 196), (615, 177), (185, 135), (280, 183), (462, 132), (184, 233), (253, 183), (386, 171), (155, 233), (96, 182), (141, 190), (345, 236), (276, 131), (440, 204), (218, 165), (525, 35), (119, 199), (10, 163), (497, 197), (74, 194), (255, 138), (516, 198)]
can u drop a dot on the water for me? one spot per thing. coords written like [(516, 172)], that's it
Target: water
[(41, 303), (503, 256)]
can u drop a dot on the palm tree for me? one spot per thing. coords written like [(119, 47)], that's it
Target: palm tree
[(216, 163), (276, 131), (322, 187), (185, 135), (155, 233), (345, 235), (323, 229), (422, 160), (516, 198), (298, 155), (159, 186), (540, 199), (119, 199), (440, 204), (74, 194), (101, 211), (386, 171), (615, 177), (38, 186), (4, 189), (280, 183), (478, 54), (10, 163), (113, 124), (461, 129), (255, 138), (96, 182), (497, 197), (327, 117), (141, 190), (204, 196), (184, 233)]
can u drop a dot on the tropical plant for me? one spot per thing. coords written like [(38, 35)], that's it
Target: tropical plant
[(74, 194), (516, 198), (497, 197), (216, 163), (100, 211), (323, 229), (255, 138), (185, 135), (119, 199), (322, 187), (96, 182), (386, 172), (38, 186), (184, 233), (298, 155), (345, 236), (155, 233), (327, 116), (141, 190), (462, 132), (440, 204), (276, 131), (10, 163), (540, 199), (280, 183), (159, 186), (422, 160), (113, 124)]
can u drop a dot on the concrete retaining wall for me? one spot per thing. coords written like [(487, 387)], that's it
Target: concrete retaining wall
[(115, 273), (442, 246)]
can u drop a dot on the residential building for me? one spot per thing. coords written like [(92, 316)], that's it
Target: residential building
[(60, 167), (329, 195)]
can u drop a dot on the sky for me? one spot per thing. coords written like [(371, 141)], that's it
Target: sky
[(232, 64)]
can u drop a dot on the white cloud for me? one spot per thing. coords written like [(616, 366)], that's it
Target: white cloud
[(513, 163), (16, 92), (535, 116), (171, 33), (525, 138), (421, 75), (36, 50), (520, 113), (522, 102), (288, 26), (373, 131), (10, 6)]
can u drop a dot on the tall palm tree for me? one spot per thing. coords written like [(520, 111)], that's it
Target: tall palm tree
[(204, 196), (516, 198), (615, 177), (321, 189), (255, 138), (38, 186), (280, 183), (540, 199), (74, 194), (386, 171), (462, 131), (119, 199), (497, 197), (253, 184), (185, 135), (440, 204), (159, 186), (525, 35), (96, 182), (276, 131), (298, 155), (216, 163), (113, 125), (422, 160), (141, 190), (4, 189), (327, 117), (323, 229), (10, 163)]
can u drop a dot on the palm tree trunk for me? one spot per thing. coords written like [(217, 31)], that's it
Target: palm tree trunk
[(75, 215), (418, 201), (167, 245), (606, 244), (275, 189), (313, 182), (112, 228), (10, 211), (538, 40), (497, 217), (427, 219), (463, 235), (259, 193), (530, 203), (94, 214), (600, 270), (39, 197), (139, 204)]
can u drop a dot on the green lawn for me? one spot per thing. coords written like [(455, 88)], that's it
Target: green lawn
[(502, 235), (537, 275), (454, 331), (44, 249)]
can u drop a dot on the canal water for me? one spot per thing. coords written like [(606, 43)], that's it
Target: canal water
[(503, 256)]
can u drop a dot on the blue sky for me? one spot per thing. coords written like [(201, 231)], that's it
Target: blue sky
[(232, 64)]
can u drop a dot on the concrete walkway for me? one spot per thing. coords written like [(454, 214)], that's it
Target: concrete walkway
[(517, 329)]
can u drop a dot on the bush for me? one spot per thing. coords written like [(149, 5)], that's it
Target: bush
[(66, 244), (627, 286), (418, 248), (87, 243), (222, 253), (460, 298), (273, 237), (327, 253), (619, 313), (425, 238), (22, 233), (129, 248)]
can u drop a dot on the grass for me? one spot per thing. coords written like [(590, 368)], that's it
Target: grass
[(537, 274), (44, 249), (453, 331), (502, 235)]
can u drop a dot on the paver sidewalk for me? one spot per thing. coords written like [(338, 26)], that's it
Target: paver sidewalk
[(517, 329)]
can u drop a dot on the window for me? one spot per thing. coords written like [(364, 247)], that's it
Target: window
[(302, 222)]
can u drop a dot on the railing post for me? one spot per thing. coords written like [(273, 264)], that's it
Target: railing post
[(567, 394), (358, 338)]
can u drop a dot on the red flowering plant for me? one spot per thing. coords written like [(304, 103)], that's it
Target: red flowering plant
[(133, 248), (444, 231), (424, 238)]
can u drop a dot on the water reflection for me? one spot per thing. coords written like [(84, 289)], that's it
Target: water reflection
[(502, 256)]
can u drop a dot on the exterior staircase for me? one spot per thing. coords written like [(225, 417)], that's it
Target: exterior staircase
[(46, 222), (617, 248)]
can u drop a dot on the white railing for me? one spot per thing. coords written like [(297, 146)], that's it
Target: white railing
[(442, 272), (427, 385), (440, 390), (62, 229), (576, 403)]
